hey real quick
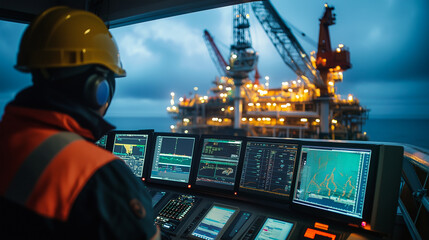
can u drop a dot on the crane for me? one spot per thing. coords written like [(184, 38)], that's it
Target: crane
[(215, 54), (243, 58), (218, 59), (290, 50), (328, 63)]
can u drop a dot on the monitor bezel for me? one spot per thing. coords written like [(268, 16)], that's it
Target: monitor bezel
[(225, 226), (369, 193), (214, 189), (111, 140), (255, 195), (149, 179)]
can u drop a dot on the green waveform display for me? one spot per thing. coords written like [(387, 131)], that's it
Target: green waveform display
[(216, 169), (175, 159)]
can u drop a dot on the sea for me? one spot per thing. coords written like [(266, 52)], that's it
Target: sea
[(407, 131)]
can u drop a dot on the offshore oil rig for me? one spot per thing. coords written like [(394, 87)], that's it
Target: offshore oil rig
[(307, 107)]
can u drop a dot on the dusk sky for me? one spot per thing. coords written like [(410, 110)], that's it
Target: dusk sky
[(388, 42)]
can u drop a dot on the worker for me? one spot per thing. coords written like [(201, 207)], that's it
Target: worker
[(55, 183)]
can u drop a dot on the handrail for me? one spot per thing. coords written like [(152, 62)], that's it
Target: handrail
[(419, 158)]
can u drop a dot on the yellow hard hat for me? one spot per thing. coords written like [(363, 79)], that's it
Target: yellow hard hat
[(66, 37)]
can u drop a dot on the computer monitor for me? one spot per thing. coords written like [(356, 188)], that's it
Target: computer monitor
[(132, 147), (274, 229), (219, 161), (336, 179), (215, 222), (268, 167), (173, 156)]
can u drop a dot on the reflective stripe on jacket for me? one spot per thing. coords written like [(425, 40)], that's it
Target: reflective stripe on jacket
[(45, 162)]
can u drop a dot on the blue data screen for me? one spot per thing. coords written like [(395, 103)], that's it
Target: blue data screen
[(213, 223), (274, 229)]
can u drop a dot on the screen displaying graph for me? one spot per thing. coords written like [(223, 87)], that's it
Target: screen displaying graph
[(274, 229), (219, 162), (213, 223), (268, 168), (132, 149), (333, 179), (173, 158)]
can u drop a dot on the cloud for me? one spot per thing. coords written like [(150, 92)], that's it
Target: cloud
[(132, 46), (374, 35), (170, 32), (162, 56), (383, 44), (398, 99)]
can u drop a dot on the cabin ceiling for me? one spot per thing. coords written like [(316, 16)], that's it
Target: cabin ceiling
[(115, 13)]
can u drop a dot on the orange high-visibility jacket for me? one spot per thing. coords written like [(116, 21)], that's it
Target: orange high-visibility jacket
[(46, 162), (49, 184)]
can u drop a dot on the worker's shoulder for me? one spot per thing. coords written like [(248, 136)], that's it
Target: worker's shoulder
[(83, 156)]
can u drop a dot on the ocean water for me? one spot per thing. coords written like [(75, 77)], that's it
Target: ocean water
[(409, 131)]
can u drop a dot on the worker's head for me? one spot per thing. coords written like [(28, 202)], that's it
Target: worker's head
[(73, 51)]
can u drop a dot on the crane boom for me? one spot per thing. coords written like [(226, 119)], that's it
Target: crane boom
[(286, 44), (215, 54)]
